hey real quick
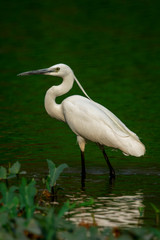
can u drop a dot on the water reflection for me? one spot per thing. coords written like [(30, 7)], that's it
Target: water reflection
[(122, 211), (111, 182)]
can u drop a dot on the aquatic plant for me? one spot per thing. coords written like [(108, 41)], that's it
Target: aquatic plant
[(3, 173), (54, 173), (12, 172), (15, 168), (157, 212), (22, 218), (9, 200), (27, 193), (141, 211)]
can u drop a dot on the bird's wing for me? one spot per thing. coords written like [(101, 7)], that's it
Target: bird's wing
[(85, 111), (120, 126)]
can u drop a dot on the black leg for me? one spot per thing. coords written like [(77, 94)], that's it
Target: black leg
[(83, 178), (111, 169), (83, 165)]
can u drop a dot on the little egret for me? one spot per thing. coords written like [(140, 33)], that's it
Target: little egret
[(87, 119)]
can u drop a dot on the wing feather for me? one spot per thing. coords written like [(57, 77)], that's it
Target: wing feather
[(94, 122), (87, 110)]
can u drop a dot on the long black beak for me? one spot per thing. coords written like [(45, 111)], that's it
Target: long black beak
[(35, 72)]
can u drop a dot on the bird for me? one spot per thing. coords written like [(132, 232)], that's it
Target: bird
[(89, 120)]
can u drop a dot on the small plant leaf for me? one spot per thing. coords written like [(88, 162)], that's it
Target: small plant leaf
[(52, 168), (3, 173), (11, 176), (67, 206), (58, 171), (3, 218), (27, 195), (15, 168), (3, 191), (53, 174), (31, 191), (157, 210), (11, 193), (141, 211)]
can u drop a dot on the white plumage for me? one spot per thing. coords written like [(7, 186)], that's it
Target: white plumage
[(86, 118), (93, 122)]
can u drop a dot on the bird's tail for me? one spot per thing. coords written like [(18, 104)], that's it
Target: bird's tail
[(135, 148)]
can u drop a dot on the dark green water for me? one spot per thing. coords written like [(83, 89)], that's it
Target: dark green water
[(113, 48)]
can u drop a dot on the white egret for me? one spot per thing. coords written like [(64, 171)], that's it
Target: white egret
[(87, 119)]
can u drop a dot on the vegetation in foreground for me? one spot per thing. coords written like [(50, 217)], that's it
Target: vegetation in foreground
[(22, 217)]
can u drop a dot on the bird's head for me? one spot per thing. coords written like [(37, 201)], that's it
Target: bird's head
[(59, 70)]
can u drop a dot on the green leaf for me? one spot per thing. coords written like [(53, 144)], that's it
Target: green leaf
[(15, 168), (48, 184), (3, 191), (9, 200), (27, 192), (52, 168), (22, 191), (11, 176), (27, 195), (4, 218), (141, 211), (31, 191), (157, 210), (156, 232), (3, 173), (54, 173), (67, 206), (11, 193), (59, 170), (13, 207)]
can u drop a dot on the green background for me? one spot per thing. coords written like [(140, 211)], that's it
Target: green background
[(113, 49)]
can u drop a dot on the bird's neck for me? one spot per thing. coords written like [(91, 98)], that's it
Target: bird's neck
[(52, 108)]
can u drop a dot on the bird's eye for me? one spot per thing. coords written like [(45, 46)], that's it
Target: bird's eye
[(57, 69)]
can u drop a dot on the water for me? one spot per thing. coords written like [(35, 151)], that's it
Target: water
[(114, 52)]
